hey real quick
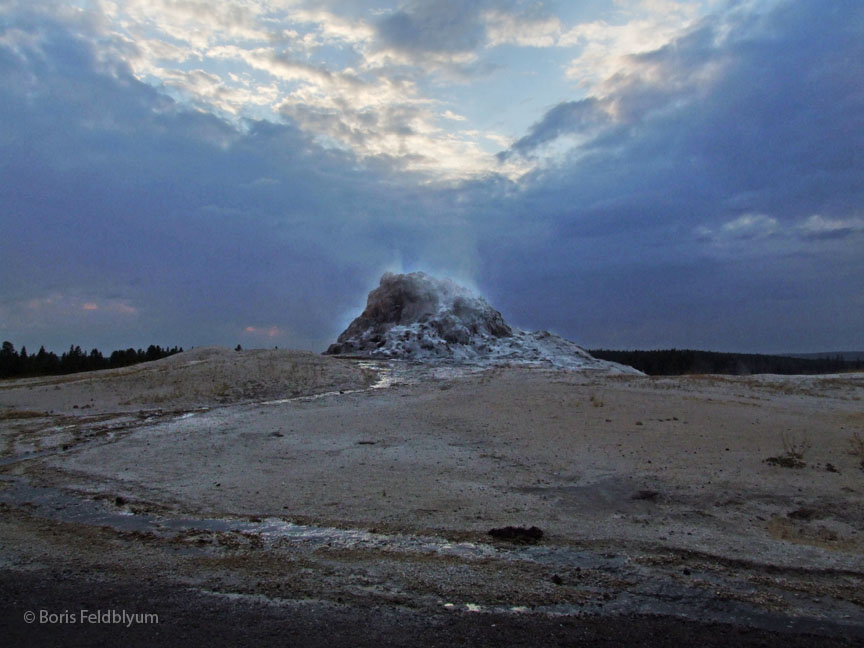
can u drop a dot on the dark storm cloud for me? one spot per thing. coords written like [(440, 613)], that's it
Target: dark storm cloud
[(736, 151), (113, 192), (714, 199), (568, 117), (441, 26), (769, 117), (445, 35)]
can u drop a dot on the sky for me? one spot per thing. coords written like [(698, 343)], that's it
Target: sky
[(626, 173)]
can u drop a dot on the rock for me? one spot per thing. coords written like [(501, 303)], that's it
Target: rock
[(650, 495), (805, 514), (517, 534)]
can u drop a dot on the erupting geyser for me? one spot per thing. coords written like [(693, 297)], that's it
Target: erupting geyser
[(418, 317)]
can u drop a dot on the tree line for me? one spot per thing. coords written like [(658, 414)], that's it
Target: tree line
[(675, 362), (44, 363)]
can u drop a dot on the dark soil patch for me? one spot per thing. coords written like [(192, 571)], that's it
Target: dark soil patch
[(520, 535)]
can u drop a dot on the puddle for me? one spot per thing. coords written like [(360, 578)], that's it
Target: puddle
[(57, 505), (385, 373), (53, 504), (383, 381), (25, 456)]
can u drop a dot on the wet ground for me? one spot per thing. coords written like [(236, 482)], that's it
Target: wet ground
[(542, 581)]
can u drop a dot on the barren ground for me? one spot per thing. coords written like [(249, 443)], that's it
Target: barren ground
[(297, 492)]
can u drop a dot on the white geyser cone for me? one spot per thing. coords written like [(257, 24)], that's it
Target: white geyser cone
[(418, 317)]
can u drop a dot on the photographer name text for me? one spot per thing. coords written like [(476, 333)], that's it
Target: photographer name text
[(83, 617)]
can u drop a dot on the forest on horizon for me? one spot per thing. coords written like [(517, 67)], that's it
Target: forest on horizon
[(676, 362), (47, 363), (663, 362)]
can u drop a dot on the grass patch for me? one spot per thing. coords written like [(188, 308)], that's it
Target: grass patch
[(785, 461), (794, 450)]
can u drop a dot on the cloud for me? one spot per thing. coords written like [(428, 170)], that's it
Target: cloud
[(440, 32), (210, 92), (819, 227), (256, 60), (193, 23), (763, 233), (714, 151), (582, 117), (349, 79), (606, 48), (332, 26), (749, 227), (37, 319), (744, 110), (259, 333), (449, 37), (524, 29), (707, 193), (115, 192)]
